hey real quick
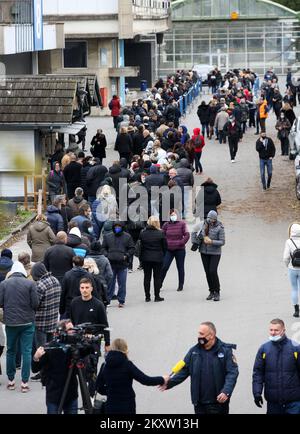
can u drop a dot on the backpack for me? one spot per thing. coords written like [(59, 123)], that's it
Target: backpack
[(110, 105), (295, 256), (198, 141)]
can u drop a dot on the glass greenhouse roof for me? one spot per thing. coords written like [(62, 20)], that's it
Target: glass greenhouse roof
[(187, 10)]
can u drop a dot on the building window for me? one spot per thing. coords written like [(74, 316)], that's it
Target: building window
[(114, 48), (103, 57), (75, 54)]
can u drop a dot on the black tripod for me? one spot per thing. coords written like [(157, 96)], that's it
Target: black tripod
[(77, 364)]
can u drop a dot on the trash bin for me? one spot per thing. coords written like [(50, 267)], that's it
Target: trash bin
[(144, 85)]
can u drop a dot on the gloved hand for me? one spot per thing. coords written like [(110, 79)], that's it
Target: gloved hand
[(194, 247), (258, 401)]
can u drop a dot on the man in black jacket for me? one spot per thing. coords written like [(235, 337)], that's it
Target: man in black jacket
[(266, 151), (118, 246), (277, 371), (213, 370), (94, 177), (72, 176), (232, 129), (58, 259)]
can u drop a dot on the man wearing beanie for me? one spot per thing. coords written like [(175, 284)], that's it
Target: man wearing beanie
[(213, 239), (5, 263), (46, 316)]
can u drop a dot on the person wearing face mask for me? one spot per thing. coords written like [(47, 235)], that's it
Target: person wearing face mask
[(291, 260), (266, 151), (118, 247), (213, 234), (213, 369), (277, 371), (283, 126), (177, 236), (232, 129)]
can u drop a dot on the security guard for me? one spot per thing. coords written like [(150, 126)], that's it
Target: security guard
[(213, 370), (277, 371)]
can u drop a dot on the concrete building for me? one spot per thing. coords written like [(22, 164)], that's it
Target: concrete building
[(103, 38), (230, 34)]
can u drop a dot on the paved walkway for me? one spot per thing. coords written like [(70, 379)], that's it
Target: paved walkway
[(254, 284)]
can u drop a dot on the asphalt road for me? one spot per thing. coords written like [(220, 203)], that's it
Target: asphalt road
[(254, 284)]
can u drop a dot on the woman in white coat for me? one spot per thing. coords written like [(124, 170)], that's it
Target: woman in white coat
[(291, 258)]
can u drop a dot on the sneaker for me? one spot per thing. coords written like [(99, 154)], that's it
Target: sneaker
[(157, 299), (233, 161), (114, 297), (24, 387), (11, 385), (140, 267), (36, 377), (130, 271)]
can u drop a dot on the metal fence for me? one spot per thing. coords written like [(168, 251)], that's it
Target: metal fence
[(186, 102), (22, 18)]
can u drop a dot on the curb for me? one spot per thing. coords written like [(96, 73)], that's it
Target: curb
[(16, 231)]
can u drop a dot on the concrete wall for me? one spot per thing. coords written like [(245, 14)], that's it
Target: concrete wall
[(17, 64), (74, 7)]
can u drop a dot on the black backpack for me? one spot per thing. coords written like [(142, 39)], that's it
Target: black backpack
[(295, 256)]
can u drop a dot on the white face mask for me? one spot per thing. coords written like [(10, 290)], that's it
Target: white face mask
[(173, 218), (275, 338)]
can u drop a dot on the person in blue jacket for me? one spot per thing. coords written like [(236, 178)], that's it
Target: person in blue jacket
[(277, 371), (213, 370), (116, 377)]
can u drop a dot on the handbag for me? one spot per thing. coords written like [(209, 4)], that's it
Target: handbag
[(99, 406)]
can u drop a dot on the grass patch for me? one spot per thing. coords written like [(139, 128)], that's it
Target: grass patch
[(9, 223)]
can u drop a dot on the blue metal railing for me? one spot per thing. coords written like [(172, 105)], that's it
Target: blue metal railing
[(187, 101)]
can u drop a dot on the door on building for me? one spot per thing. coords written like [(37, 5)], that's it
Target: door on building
[(220, 60), (139, 54)]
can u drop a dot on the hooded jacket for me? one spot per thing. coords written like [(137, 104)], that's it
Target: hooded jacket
[(216, 233), (18, 297), (224, 368), (5, 266), (123, 143), (203, 113), (212, 198), (55, 219), (94, 177), (115, 380), (185, 173), (153, 245), (198, 140), (118, 248), (185, 136), (277, 371), (290, 246), (39, 238), (115, 107), (76, 203), (58, 260), (75, 242)]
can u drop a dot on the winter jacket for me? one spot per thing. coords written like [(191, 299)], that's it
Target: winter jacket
[(56, 182), (217, 234), (123, 143), (277, 371), (83, 175), (18, 297), (212, 198), (137, 143), (221, 120), (224, 367), (98, 145), (104, 267), (153, 245), (290, 115), (154, 180), (75, 204), (48, 290), (233, 131), (39, 238), (101, 211), (283, 126), (54, 219), (198, 140), (263, 113), (265, 152), (94, 178), (5, 266), (290, 247), (115, 107), (70, 288), (177, 235), (244, 112), (72, 173), (79, 248), (58, 260), (118, 249), (80, 219), (203, 113), (115, 380), (213, 110), (185, 173)]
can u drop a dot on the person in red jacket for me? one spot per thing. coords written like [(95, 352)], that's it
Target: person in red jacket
[(199, 143), (115, 107), (177, 236)]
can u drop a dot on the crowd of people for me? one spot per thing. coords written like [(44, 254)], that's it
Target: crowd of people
[(100, 218)]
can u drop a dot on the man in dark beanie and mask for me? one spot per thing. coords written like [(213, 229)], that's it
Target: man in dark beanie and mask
[(213, 369), (118, 247), (5, 263)]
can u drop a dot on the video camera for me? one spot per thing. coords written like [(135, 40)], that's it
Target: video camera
[(80, 337)]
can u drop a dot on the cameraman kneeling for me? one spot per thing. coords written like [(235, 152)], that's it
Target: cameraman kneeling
[(54, 367)]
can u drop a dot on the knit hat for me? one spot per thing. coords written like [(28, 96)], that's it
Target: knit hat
[(75, 231), (38, 270), (212, 215), (7, 253)]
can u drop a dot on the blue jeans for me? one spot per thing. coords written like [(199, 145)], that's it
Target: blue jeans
[(121, 276), (179, 256), (25, 335), (263, 164), (289, 408), (70, 408), (294, 276)]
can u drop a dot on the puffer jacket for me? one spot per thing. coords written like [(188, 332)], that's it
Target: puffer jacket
[(290, 246), (217, 234), (54, 219), (39, 238), (118, 249), (277, 370), (203, 113), (185, 173), (177, 234)]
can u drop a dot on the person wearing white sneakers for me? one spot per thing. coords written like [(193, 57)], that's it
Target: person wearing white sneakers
[(232, 130)]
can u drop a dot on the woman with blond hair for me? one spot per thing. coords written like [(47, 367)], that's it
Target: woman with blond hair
[(291, 258), (153, 249), (116, 377), (91, 266), (40, 237), (104, 208)]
